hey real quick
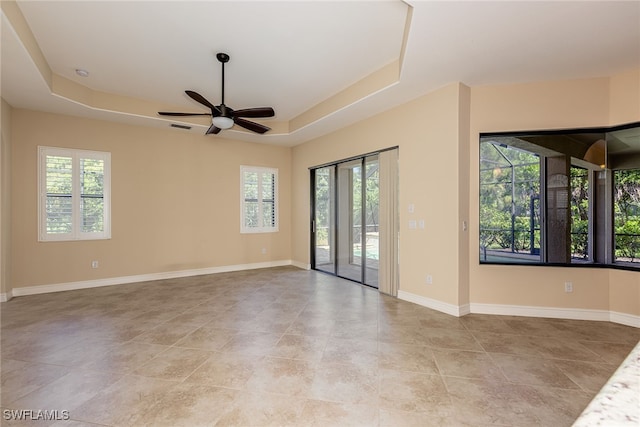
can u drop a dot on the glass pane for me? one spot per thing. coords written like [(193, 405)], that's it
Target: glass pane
[(268, 214), (92, 213), (357, 239), (59, 185), (250, 194), (59, 175), (579, 214), (509, 203), (372, 203), (626, 200), (268, 189), (268, 195), (58, 213), (251, 214), (324, 219), (91, 176), (91, 193), (349, 251), (251, 186)]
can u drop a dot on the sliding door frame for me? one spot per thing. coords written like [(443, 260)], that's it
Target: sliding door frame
[(336, 207), (312, 216)]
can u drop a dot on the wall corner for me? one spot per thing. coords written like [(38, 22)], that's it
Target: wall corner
[(5, 200)]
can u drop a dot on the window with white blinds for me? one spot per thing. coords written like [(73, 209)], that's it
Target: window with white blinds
[(74, 188), (258, 199)]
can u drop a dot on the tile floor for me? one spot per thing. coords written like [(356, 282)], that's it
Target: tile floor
[(290, 347)]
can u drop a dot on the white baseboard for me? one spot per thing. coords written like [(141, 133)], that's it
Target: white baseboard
[(464, 309), (533, 311), (301, 265), (558, 313), (85, 284), (4, 297), (625, 319), (444, 307), (521, 310)]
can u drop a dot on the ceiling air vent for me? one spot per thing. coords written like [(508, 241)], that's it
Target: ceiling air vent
[(173, 125)]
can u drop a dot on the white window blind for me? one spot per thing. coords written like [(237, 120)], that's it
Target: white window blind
[(74, 187), (258, 199)]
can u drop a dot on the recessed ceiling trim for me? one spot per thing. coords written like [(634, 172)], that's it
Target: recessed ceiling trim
[(374, 82), (19, 25), (405, 35), (432, 52), (385, 77), (80, 94)]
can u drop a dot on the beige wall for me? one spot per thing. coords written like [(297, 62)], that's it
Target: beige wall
[(464, 192), (624, 98), (427, 133), (624, 286), (175, 202), (445, 125), (546, 105), (5, 198), (551, 105), (176, 195), (624, 291)]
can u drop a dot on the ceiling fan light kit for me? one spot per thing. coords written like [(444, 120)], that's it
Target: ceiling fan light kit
[(223, 117), (222, 122)]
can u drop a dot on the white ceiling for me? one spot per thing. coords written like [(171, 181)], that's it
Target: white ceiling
[(292, 55)]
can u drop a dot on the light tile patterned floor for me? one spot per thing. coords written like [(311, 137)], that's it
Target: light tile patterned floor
[(289, 347)]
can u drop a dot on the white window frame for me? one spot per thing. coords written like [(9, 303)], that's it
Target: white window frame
[(261, 228), (76, 231)]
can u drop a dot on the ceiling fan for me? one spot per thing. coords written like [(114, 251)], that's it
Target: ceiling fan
[(223, 117)]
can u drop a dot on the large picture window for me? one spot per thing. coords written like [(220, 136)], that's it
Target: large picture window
[(74, 188), (259, 199), (626, 196), (580, 214), (561, 197), (509, 203)]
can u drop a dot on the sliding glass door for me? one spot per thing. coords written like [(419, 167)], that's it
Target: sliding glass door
[(371, 220), (345, 219), (323, 228)]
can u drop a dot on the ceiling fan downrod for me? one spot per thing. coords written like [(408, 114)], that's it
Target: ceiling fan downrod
[(223, 58)]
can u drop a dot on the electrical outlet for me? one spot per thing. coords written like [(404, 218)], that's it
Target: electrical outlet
[(429, 279), (94, 264), (568, 286), (264, 251)]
